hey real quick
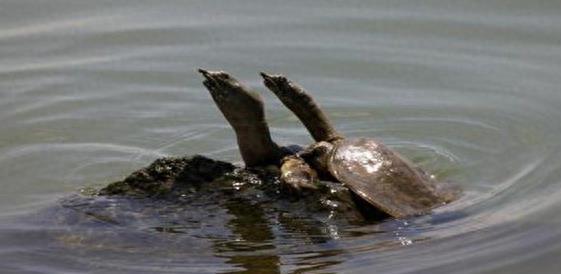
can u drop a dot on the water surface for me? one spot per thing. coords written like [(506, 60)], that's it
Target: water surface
[(92, 90)]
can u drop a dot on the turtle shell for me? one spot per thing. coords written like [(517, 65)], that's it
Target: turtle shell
[(385, 179)]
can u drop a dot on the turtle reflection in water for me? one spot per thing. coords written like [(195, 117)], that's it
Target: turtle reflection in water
[(335, 173)]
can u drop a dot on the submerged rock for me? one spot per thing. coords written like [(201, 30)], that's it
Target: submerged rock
[(170, 176)]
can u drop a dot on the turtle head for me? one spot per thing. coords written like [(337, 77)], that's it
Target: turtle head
[(317, 156)]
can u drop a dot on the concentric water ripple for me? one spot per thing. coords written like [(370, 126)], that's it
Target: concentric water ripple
[(90, 91)]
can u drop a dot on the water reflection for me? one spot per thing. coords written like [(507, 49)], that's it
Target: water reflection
[(251, 236), (256, 236), (252, 248)]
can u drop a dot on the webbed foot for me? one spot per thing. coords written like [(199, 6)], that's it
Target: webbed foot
[(303, 106), (239, 105), (245, 112)]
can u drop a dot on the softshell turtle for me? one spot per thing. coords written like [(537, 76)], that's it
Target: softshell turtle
[(376, 174)]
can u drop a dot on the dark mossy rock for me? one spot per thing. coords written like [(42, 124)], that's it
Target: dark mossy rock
[(170, 175), (181, 179)]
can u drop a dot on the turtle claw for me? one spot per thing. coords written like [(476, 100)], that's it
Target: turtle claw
[(277, 83), (211, 83), (268, 78), (237, 102), (204, 72), (211, 76), (264, 75)]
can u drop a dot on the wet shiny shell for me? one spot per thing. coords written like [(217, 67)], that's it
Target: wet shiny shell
[(385, 179)]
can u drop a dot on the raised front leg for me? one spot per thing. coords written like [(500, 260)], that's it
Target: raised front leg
[(244, 111), (302, 105)]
